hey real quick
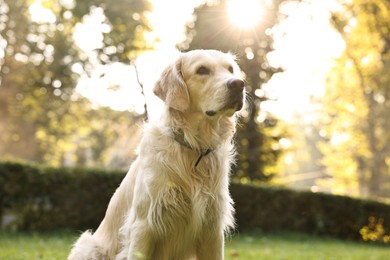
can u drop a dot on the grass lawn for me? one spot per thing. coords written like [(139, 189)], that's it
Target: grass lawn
[(297, 246), (245, 246)]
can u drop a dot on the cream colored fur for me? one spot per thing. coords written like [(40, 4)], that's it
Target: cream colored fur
[(166, 208)]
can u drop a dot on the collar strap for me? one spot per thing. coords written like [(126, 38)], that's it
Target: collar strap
[(201, 156), (179, 137)]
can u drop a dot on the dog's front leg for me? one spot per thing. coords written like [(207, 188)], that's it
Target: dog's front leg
[(138, 244), (210, 246)]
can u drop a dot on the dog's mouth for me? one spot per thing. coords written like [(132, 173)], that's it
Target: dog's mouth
[(211, 112), (234, 103)]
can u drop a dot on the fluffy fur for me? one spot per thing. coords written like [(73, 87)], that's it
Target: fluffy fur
[(166, 207)]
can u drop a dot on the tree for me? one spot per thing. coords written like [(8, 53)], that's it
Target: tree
[(41, 67), (258, 136), (357, 101)]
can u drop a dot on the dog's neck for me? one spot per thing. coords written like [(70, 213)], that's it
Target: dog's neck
[(180, 138), (198, 131)]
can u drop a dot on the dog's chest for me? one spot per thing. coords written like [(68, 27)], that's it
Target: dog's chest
[(192, 209), (207, 192), (192, 198), (203, 208)]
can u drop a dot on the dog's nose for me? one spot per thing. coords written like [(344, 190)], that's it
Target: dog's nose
[(236, 84)]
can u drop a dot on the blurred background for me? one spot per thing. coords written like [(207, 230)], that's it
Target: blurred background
[(76, 81)]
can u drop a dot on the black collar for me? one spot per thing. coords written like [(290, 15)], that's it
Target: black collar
[(179, 137)]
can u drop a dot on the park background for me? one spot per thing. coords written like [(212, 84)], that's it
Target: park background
[(76, 81)]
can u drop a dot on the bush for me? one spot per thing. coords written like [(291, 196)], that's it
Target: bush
[(44, 198), (272, 209)]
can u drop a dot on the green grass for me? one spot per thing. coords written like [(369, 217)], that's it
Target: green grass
[(247, 246), (300, 247), (19, 246)]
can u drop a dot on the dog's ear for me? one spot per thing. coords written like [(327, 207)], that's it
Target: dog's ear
[(171, 87)]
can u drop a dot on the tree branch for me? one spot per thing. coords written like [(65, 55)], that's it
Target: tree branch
[(142, 89)]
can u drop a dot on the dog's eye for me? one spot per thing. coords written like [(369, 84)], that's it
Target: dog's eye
[(203, 71), (231, 69)]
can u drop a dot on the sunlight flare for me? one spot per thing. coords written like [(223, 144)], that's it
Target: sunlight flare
[(245, 14)]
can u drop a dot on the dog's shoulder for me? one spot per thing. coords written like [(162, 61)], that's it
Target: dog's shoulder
[(154, 137)]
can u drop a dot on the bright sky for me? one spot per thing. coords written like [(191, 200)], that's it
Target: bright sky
[(305, 45)]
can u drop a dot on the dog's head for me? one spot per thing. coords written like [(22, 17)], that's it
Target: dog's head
[(206, 81)]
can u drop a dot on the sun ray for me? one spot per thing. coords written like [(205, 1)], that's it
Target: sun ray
[(245, 14)]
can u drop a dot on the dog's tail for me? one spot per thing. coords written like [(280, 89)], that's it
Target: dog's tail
[(87, 248)]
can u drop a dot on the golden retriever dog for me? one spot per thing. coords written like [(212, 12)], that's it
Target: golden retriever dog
[(174, 202)]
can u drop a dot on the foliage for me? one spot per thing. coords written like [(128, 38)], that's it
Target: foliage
[(273, 209), (357, 101), (41, 65), (259, 134), (374, 231), (127, 22), (303, 155), (45, 198)]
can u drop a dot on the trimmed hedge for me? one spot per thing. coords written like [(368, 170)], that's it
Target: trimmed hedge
[(272, 209), (43, 198)]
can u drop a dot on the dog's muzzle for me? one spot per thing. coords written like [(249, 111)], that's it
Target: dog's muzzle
[(235, 97), (236, 88)]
